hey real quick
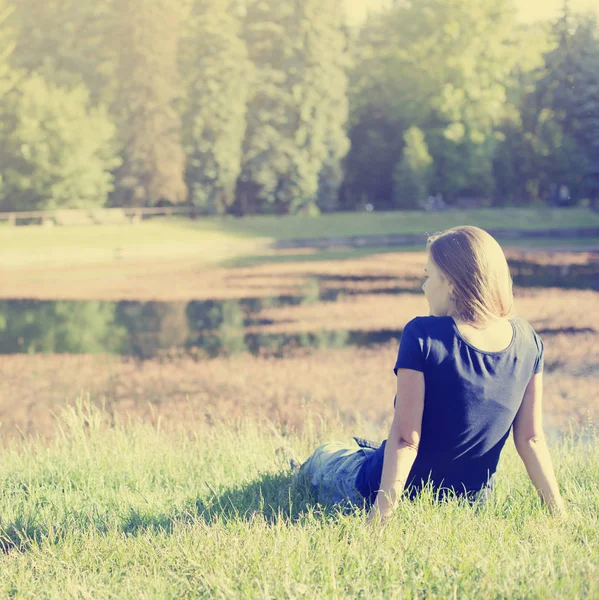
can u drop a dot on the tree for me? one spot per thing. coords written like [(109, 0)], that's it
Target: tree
[(57, 151), (442, 66), (297, 50), (68, 42), (7, 46), (412, 175), (337, 106), (7, 75), (569, 90), (154, 160), (216, 71), (524, 135)]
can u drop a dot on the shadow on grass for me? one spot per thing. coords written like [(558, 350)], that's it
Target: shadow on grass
[(271, 497), (21, 534)]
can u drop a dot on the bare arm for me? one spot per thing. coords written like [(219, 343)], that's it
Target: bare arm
[(532, 447), (402, 443)]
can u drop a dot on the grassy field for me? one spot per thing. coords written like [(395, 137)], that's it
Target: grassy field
[(132, 511), (379, 223), (167, 257), (179, 486), (313, 255), (149, 242), (213, 240)]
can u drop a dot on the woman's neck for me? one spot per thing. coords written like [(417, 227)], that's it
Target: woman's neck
[(480, 325)]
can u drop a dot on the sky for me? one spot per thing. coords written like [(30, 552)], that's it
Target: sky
[(530, 10)]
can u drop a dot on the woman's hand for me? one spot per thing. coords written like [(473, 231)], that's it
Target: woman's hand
[(376, 516), (401, 448), (532, 447)]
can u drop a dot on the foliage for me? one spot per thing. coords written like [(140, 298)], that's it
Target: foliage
[(336, 108), (216, 72), (412, 175), (440, 66), (7, 74), (7, 46), (570, 90), (524, 136), (297, 51), (68, 43), (249, 106), (57, 151), (150, 127)]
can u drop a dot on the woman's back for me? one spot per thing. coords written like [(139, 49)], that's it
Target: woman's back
[(465, 375), (472, 396), (495, 338)]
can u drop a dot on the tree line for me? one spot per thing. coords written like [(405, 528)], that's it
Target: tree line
[(276, 106)]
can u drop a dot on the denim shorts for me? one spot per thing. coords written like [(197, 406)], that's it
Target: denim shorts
[(330, 473), (330, 476)]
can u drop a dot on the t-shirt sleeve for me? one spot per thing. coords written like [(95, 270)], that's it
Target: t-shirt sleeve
[(540, 360), (411, 349)]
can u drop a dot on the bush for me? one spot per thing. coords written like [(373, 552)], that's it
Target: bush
[(412, 174), (57, 151)]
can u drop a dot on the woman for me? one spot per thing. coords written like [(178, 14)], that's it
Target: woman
[(465, 375)]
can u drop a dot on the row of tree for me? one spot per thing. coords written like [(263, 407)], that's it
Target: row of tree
[(253, 106)]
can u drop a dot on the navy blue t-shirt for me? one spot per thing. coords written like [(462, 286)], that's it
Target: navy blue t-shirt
[(471, 399)]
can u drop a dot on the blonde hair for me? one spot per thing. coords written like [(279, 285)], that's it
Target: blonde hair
[(474, 262)]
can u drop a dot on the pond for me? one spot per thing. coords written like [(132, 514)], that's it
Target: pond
[(146, 329), (211, 328)]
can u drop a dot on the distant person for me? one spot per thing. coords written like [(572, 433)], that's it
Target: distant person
[(439, 202), (564, 195), (466, 375), (433, 203)]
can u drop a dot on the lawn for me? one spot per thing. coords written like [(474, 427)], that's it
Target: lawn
[(149, 242), (162, 256), (212, 240), (381, 223), (134, 511), (340, 254)]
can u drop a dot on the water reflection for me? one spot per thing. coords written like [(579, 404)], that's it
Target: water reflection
[(28, 326), (151, 327), (214, 327), (528, 273), (218, 327), (147, 329)]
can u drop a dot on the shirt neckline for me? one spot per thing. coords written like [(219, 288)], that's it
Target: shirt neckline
[(463, 339)]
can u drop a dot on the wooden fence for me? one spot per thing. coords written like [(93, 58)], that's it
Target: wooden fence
[(95, 216)]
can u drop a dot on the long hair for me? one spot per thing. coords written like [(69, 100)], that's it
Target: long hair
[(474, 262)]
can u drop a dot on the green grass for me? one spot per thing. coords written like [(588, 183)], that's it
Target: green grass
[(133, 511), (379, 223), (214, 240), (318, 256), (353, 253), (150, 241)]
